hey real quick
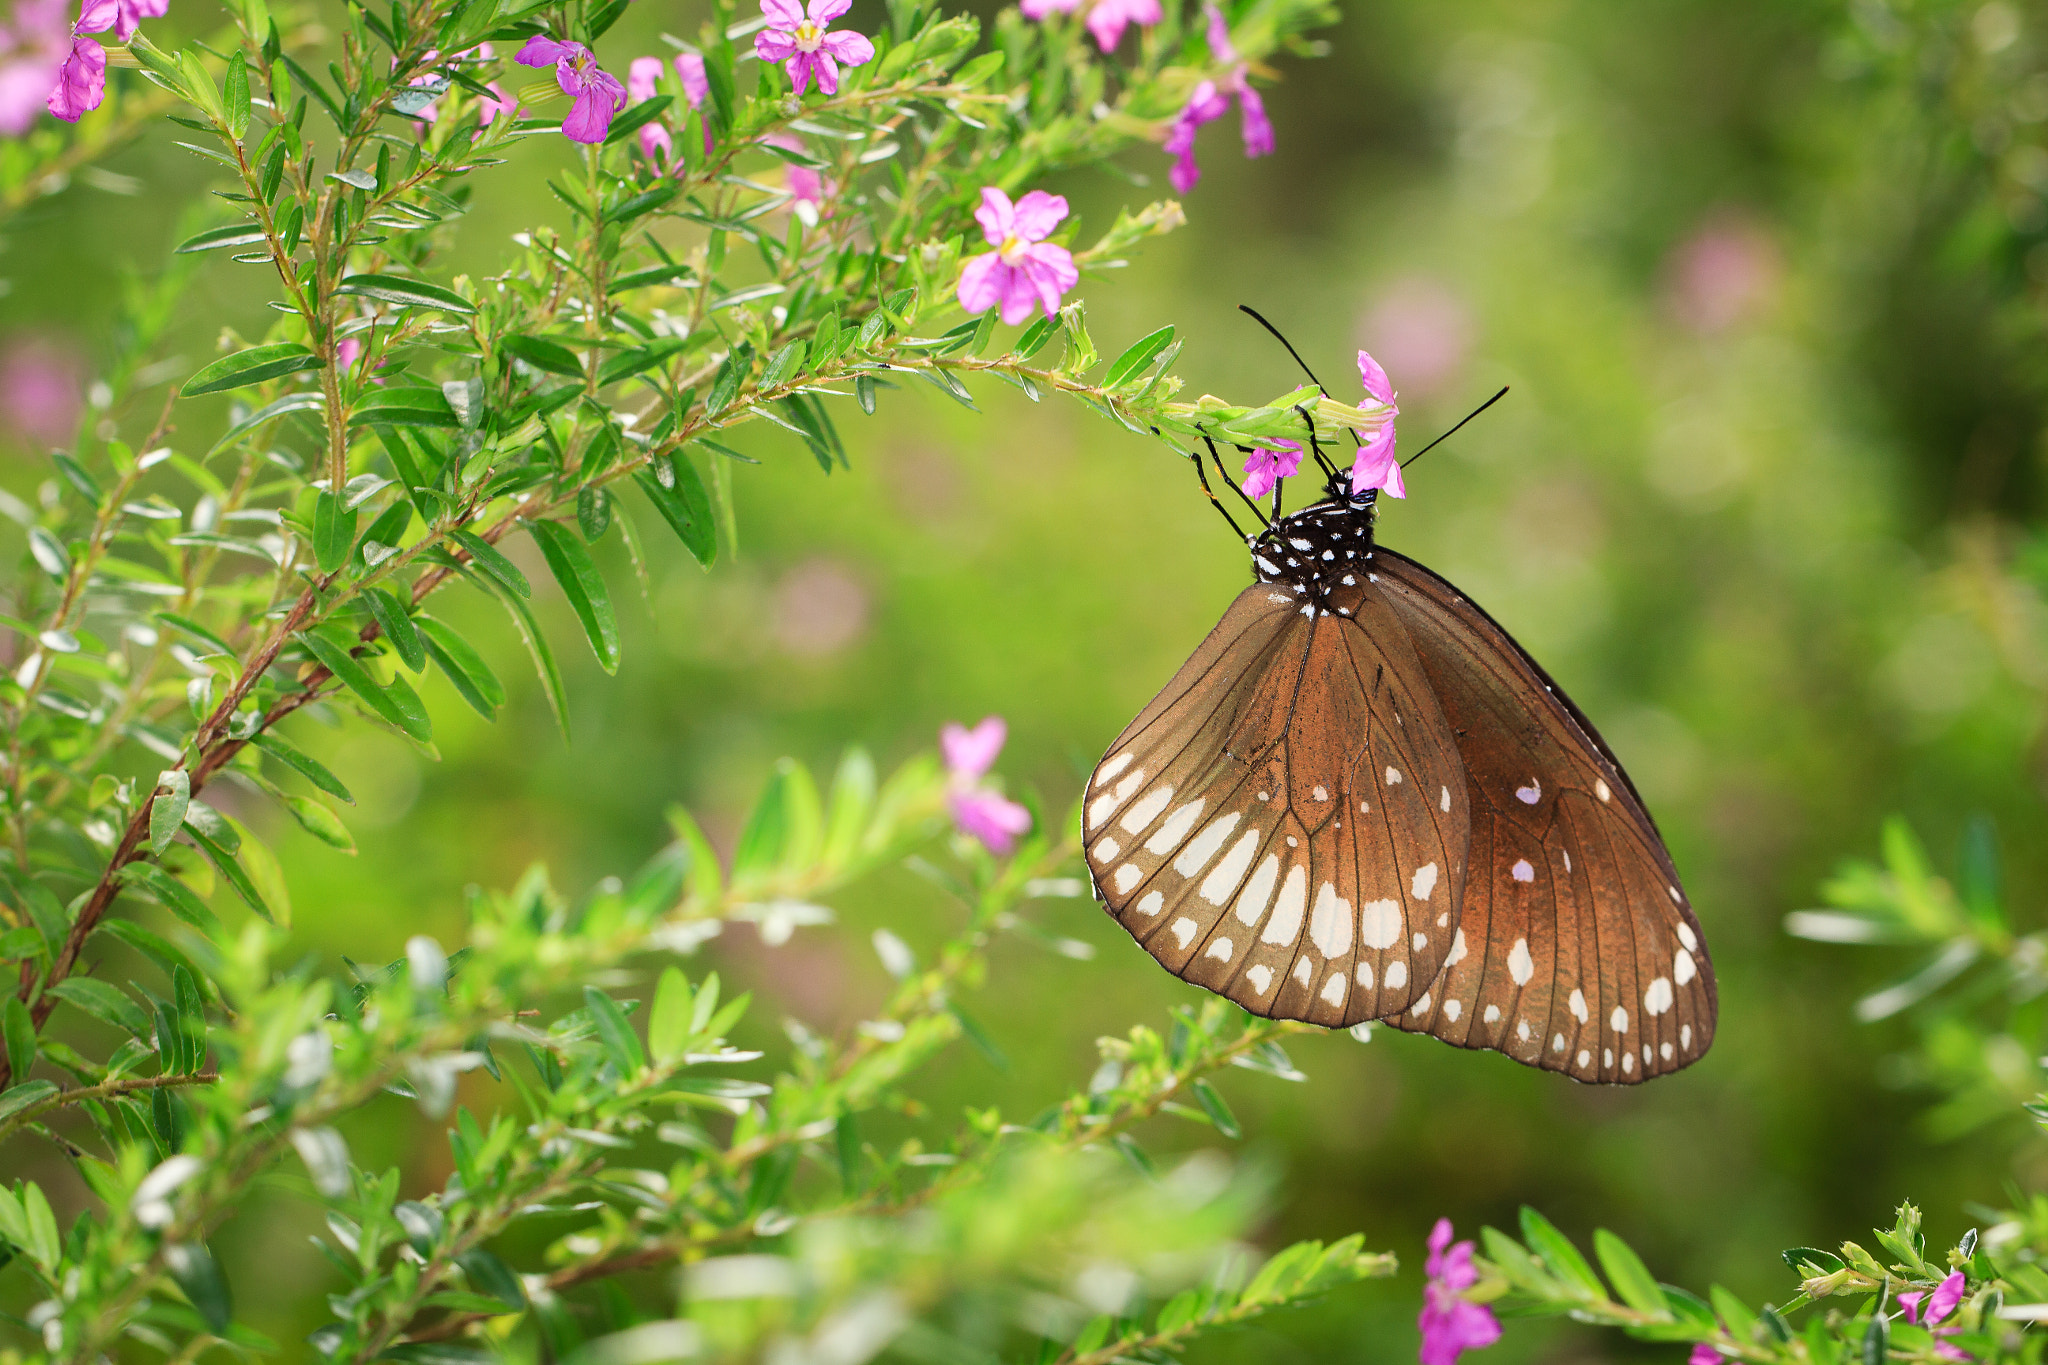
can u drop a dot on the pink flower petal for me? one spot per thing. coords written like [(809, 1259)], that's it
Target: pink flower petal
[(590, 118), (971, 753), (539, 50), (849, 47), (1219, 35), (784, 14), (1037, 214), (1264, 468), (1020, 297), (1051, 272), (1038, 9), (824, 12), (772, 45), (690, 71), (1946, 1296), (982, 282), (995, 215), (643, 78), (1256, 127), (990, 818), (1439, 1238), (1374, 378), (828, 71), (97, 16), (81, 81), (1703, 1354)]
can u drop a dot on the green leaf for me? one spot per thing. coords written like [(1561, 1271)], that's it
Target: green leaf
[(404, 293), (583, 585), (463, 667), (19, 1031), (493, 1277), (629, 121), (407, 406), (395, 621), (322, 823), (104, 1001), (1629, 1276), (1557, 1252), (252, 366), (234, 234), (542, 354), (332, 646), (614, 1032), (289, 754), (1133, 362), (19, 1097), (685, 506), (668, 1023), (43, 1241), (543, 656), (167, 811), (646, 202), (1801, 1257), (593, 513), (492, 561), (726, 387), (174, 896), (235, 97), (198, 1276), (334, 530), (217, 853), (1218, 1112)]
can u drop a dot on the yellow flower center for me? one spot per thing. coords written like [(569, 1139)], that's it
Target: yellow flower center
[(1012, 249), (809, 36)]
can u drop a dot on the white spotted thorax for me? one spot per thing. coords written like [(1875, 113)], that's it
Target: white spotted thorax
[(1318, 549)]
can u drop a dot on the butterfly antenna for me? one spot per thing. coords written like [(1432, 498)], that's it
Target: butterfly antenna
[(1454, 430), (1235, 487), (1255, 316)]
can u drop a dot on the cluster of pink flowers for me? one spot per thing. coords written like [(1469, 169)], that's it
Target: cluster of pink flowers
[(1211, 101), (487, 109), (805, 44), (643, 79), (978, 809), (1025, 272), (46, 63), (1452, 1325), (1107, 19)]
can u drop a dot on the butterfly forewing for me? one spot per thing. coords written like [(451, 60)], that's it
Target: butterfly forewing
[(1285, 822), (1576, 950)]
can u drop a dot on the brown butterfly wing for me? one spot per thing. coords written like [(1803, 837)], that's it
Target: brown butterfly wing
[(1284, 823), (1577, 950)]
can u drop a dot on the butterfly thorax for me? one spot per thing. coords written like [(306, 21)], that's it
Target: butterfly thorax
[(1316, 550)]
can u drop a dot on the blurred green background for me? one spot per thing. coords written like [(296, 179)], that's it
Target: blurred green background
[(1765, 277)]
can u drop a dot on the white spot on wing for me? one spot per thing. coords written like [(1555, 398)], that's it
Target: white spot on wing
[(1329, 924), (1174, 828), (1128, 876), (1685, 1035), (1530, 794), (1365, 975), (1106, 849), (1521, 871), (1445, 800), (1619, 1019), (1379, 924), (1521, 966), (1147, 809), (1492, 1016), (1628, 1062), (1111, 767), (1321, 793), (1221, 950), (1285, 925), (1397, 975), (1424, 882), (1393, 777), (1151, 903), (1600, 789), (1261, 978), (1421, 941), (1585, 1057), (1457, 953), (1252, 903), (1687, 937), (1578, 1004), (1218, 885), (1664, 1051), (1683, 968), (1421, 1007), (1333, 989), (1452, 1009), (1184, 930), (1301, 970), (1203, 846), (1657, 998)]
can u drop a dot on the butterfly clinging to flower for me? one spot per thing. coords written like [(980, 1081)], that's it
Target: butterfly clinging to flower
[(1361, 800)]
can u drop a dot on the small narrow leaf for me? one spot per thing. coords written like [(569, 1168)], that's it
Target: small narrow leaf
[(686, 507), (463, 667), (404, 293), (252, 366), (174, 896), (287, 753), (668, 1023), (396, 623), (334, 531), (332, 648), (614, 1032), (583, 585), (492, 561), (167, 811), (1627, 1273), (1133, 362)]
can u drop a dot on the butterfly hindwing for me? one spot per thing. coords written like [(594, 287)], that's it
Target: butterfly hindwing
[(1285, 822), (1577, 951)]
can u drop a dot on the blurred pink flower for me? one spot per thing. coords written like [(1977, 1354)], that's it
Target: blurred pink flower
[(696, 88), (41, 390), (1025, 272), (806, 45), (347, 351), (820, 608), (1376, 466), (82, 79), (806, 186), (979, 810), (486, 109), (1703, 1354), (1451, 1325), (643, 81), (34, 42), (1211, 101), (597, 93), (1107, 19), (1724, 272), (1424, 329), (1264, 468)]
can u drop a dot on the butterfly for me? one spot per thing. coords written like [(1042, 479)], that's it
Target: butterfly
[(1360, 799)]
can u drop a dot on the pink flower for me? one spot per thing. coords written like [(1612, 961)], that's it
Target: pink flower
[(977, 809), (1450, 1325), (1376, 466), (696, 88), (806, 46), (41, 389), (1703, 1354), (1210, 102), (34, 43), (1940, 1303), (597, 93), (1264, 468), (1024, 272), (806, 186), (643, 81), (347, 351), (1107, 19), (486, 109)]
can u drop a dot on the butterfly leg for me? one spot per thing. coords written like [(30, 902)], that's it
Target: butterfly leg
[(1195, 457), (1217, 459), (1315, 446)]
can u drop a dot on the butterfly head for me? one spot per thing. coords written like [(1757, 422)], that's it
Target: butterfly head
[(1337, 489)]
